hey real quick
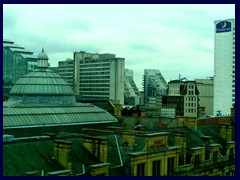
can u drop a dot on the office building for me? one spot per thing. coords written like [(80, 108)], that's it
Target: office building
[(154, 85), (183, 95), (99, 76), (132, 95), (17, 61), (224, 66), (66, 70)]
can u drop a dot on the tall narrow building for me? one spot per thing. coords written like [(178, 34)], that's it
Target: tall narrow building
[(99, 76), (132, 95), (224, 66), (154, 85)]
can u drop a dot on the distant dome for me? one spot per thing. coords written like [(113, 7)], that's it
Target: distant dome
[(42, 55), (42, 86)]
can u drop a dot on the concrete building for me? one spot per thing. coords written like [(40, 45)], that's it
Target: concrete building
[(99, 76), (184, 96), (154, 85), (224, 66), (17, 61), (66, 70), (205, 87), (132, 95)]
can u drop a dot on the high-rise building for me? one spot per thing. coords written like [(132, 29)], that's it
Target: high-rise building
[(224, 66), (17, 61), (154, 85), (66, 70), (132, 95), (99, 76)]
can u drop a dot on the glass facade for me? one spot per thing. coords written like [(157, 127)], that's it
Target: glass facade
[(14, 67)]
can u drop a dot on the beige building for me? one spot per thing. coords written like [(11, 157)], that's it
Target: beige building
[(205, 87), (184, 95), (99, 76)]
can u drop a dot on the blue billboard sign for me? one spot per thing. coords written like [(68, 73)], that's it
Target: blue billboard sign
[(223, 26)]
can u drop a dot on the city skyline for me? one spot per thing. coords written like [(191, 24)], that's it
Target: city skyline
[(175, 39)]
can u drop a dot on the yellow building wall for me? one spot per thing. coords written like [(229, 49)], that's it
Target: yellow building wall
[(62, 152)]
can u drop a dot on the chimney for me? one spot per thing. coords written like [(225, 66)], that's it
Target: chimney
[(97, 146), (201, 111), (190, 122), (128, 139), (160, 123), (62, 153), (207, 139), (226, 132), (180, 140)]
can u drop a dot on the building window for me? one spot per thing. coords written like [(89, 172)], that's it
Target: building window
[(170, 166), (140, 169), (156, 168), (197, 161), (231, 155), (227, 173), (215, 156)]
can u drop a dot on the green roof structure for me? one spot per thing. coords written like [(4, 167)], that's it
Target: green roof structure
[(43, 98)]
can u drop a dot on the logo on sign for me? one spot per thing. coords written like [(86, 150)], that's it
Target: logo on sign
[(223, 26)]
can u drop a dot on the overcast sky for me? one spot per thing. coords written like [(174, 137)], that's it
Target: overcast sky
[(176, 39)]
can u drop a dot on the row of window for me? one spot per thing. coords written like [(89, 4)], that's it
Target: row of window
[(84, 93), (156, 165), (65, 70), (190, 110), (92, 81), (90, 60), (190, 86), (190, 92), (95, 69), (95, 77), (93, 89), (65, 63), (156, 168), (191, 104), (94, 65), (94, 85), (94, 73), (190, 98)]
